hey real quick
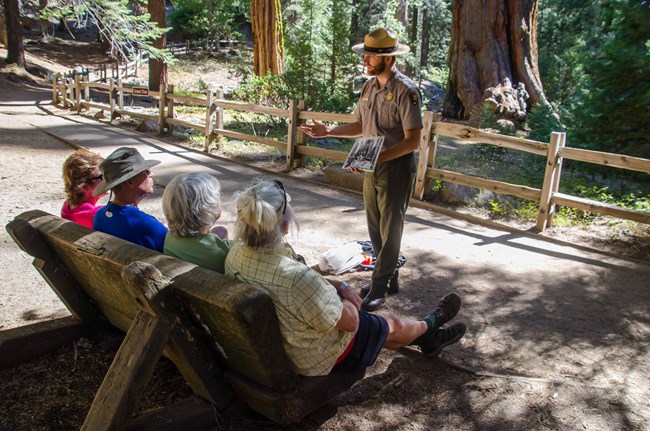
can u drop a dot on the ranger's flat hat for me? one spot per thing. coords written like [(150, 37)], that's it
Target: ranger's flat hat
[(381, 42)]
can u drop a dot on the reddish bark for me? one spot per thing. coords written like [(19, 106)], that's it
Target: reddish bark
[(157, 69), (268, 45), (15, 46), (491, 41)]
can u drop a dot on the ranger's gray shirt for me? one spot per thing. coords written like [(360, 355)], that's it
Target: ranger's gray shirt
[(390, 110)]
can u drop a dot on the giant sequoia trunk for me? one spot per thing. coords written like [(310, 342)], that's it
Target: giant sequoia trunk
[(268, 44), (157, 69), (15, 47), (493, 43)]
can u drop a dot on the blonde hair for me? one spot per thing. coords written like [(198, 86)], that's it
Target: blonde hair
[(77, 170), (261, 210), (190, 202)]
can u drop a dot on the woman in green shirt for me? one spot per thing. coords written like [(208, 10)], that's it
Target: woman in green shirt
[(192, 205)]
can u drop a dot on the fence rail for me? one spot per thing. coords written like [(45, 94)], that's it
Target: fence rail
[(75, 94)]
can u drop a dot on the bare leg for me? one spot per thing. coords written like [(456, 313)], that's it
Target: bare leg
[(402, 331)]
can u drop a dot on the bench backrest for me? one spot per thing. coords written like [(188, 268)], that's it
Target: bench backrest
[(239, 318), (222, 334)]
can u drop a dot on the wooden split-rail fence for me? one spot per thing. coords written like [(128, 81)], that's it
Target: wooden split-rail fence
[(76, 95)]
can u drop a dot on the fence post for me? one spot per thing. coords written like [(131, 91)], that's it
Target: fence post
[(120, 95), (556, 179), (77, 95), (209, 124), (219, 118), (70, 95), (427, 149), (64, 91), (170, 108), (300, 136), (552, 170), (55, 88), (291, 134), (87, 88), (111, 98), (161, 110)]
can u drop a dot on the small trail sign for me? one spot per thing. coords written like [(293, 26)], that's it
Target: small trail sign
[(140, 91)]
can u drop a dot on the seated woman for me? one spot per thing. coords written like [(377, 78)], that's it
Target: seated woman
[(192, 204), (81, 175), (323, 328), (129, 178)]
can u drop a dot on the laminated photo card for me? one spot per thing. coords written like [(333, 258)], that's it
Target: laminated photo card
[(364, 153)]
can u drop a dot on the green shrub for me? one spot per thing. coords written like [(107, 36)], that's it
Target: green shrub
[(542, 122), (277, 90)]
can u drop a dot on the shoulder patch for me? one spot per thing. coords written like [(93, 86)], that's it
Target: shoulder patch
[(415, 98)]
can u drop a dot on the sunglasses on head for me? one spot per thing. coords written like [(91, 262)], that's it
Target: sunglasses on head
[(279, 184)]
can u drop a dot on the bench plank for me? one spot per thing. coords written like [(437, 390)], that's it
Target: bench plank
[(19, 345)]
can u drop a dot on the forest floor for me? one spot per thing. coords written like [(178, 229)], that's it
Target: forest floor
[(560, 363)]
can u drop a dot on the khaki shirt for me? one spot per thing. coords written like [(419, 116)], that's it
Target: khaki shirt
[(390, 110)]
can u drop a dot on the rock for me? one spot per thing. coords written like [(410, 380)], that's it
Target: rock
[(147, 126)]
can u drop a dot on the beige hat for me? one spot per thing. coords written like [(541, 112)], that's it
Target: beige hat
[(123, 164), (381, 42)]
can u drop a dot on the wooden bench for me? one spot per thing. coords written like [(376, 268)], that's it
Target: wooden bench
[(223, 335)]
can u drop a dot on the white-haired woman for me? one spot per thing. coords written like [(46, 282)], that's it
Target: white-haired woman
[(320, 321), (192, 205)]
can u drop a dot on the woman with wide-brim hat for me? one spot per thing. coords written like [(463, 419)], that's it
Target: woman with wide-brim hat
[(127, 175)]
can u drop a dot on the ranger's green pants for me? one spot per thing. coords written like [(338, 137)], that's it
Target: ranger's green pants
[(386, 193)]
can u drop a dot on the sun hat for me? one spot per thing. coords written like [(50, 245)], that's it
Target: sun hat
[(123, 164), (381, 42)]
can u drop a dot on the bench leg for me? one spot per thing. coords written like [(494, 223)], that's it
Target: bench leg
[(131, 370)]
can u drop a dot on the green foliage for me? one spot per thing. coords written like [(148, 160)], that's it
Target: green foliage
[(127, 32), (542, 122), (615, 113), (191, 18), (437, 74), (595, 66), (277, 90), (488, 118)]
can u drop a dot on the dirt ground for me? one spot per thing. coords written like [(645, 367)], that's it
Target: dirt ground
[(548, 348)]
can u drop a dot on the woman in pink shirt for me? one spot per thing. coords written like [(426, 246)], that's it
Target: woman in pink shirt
[(81, 175)]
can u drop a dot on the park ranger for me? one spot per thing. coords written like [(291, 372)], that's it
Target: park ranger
[(390, 106)]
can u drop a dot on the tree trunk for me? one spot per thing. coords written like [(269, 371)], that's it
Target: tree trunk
[(3, 30), (426, 30), (492, 43), (210, 27), (413, 31), (157, 69), (268, 44), (15, 47), (402, 13)]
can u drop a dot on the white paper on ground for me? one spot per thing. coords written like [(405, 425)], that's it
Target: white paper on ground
[(340, 259)]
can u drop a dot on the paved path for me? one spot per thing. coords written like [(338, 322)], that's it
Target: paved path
[(535, 308)]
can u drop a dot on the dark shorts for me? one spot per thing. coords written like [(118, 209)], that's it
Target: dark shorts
[(368, 342)]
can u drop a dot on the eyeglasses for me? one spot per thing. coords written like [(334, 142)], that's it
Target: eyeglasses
[(279, 184)]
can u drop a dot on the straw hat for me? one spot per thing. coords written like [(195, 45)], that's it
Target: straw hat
[(123, 164), (381, 42)]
